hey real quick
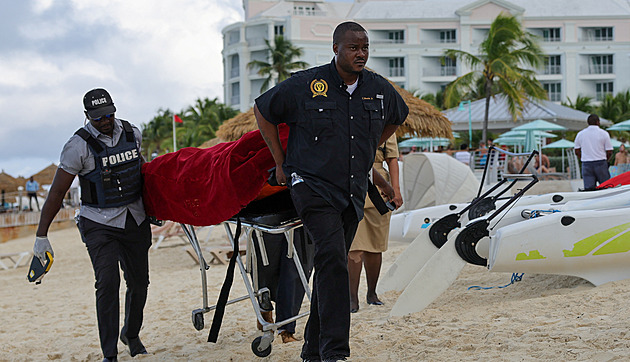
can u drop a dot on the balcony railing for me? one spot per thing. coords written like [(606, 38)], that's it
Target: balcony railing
[(552, 69), (397, 71), (387, 41), (445, 71), (448, 71), (597, 69)]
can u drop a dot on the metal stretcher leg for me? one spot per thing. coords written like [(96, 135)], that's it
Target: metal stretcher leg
[(261, 346)]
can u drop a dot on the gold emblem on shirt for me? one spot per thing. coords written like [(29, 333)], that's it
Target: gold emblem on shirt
[(319, 87)]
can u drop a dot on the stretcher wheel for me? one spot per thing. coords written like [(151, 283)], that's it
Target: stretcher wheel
[(198, 320), (264, 353)]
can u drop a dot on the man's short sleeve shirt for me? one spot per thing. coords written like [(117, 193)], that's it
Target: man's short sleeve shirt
[(593, 143), (77, 159), (333, 135)]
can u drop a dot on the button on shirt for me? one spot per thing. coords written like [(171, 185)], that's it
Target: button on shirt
[(77, 159), (333, 134), (593, 142)]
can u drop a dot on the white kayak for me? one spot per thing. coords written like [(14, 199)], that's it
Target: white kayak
[(421, 249), (590, 244), (416, 297)]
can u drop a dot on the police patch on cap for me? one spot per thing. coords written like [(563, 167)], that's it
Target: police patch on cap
[(98, 103), (319, 87)]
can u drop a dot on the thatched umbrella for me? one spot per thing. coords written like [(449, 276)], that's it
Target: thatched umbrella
[(423, 120), (45, 176), (7, 182)]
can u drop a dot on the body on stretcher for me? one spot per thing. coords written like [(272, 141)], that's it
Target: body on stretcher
[(272, 215)]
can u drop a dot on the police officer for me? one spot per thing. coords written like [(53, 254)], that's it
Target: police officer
[(338, 114), (105, 153)]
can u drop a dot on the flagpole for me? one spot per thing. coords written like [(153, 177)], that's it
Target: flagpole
[(174, 135)]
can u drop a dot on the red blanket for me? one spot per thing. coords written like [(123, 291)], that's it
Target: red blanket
[(623, 179), (207, 186)]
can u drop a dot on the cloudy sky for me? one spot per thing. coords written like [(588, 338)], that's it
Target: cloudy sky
[(149, 54)]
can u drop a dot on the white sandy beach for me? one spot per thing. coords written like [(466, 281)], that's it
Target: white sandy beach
[(540, 318)]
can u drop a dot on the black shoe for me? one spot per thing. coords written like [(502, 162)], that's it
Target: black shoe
[(135, 345), (110, 359), (354, 310), (378, 302)]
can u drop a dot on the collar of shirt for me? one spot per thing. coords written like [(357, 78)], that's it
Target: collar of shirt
[(337, 78), (109, 141)]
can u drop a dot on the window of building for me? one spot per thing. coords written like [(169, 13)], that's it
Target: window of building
[(448, 67), (234, 37), (278, 30), (551, 34), (603, 88), (305, 10), (554, 91), (447, 36), (397, 67), (234, 66), (599, 34), (601, 64), (552, 64), (396, 36), (235, 96)]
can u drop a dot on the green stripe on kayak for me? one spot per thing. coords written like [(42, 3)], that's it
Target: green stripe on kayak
[(620, 244), (533, 255), (585, 246)]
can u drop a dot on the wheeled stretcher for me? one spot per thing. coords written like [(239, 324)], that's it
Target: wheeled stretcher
[(257, 218)]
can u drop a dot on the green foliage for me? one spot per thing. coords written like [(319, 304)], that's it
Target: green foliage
[(200, 122), (503, 65), (582, 103), (282, 61)]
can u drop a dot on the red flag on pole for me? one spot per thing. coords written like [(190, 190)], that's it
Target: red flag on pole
[(177, 119)]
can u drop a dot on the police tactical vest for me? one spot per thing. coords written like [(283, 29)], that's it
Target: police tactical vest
[(117, 179)]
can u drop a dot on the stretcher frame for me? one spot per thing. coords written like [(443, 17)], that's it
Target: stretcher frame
[(261, 346)]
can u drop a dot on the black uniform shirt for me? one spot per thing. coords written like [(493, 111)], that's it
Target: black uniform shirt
[(333, 135)]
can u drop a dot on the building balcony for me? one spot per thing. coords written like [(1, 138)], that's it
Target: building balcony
[(597, 69), (552, 69)]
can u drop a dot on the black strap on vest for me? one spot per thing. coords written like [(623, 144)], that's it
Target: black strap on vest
[(87, 137), (128, 130), (96, 146), (225, 289)]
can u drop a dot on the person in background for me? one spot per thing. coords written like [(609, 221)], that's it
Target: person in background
[(593, 147), (372, 235), (105, 153), (31, 190), (463, 155), (622, 157)]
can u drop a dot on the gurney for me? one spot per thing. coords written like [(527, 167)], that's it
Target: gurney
[(273, 215)]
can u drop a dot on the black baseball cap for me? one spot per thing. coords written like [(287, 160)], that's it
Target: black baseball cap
[(98, 103)]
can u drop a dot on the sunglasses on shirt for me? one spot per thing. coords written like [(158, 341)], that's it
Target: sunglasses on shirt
[(108, 116)]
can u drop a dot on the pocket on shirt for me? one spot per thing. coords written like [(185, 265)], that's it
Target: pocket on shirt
[(375, 114), (320, 115)]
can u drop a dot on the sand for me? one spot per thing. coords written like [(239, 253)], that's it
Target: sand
[(542, 317)]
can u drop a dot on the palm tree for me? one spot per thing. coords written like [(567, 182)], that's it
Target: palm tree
[(282, 63), (581, 103), (500, 67)]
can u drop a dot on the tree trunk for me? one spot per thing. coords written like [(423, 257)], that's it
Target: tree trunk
[(484, 138)]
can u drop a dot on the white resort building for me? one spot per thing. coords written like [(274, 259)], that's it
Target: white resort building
[(587, 42)]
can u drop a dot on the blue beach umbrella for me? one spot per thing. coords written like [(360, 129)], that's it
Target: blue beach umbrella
[(621, 126)]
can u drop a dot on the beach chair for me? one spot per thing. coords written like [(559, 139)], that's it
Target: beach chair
[(15, 259)]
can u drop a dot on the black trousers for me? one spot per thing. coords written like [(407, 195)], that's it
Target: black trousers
[(108, 248), (327, 330), (281, 276)]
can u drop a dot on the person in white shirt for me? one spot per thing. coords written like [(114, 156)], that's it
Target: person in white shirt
[(593, 147), (463, 155)]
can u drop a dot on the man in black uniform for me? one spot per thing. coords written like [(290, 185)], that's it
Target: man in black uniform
[(113, 224), (338, 114)]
